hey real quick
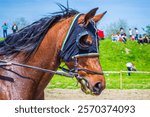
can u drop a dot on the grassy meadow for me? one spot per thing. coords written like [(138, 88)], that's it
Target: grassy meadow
[(1, 39), (113, 57)]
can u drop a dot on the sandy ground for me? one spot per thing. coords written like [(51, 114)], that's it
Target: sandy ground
[(113, 94)]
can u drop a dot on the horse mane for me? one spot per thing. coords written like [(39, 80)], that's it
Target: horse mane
[(28, 39)]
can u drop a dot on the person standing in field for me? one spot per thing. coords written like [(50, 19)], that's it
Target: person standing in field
[(122, 31), (130, 33), (136, 33), (14, 28), (5, 27), (130, 66)]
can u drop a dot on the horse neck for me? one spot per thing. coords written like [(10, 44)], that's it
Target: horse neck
[(47, 55)]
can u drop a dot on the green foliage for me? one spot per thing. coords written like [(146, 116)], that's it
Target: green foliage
[(114, 27), (147, 30), (113, 57), (21, 22)]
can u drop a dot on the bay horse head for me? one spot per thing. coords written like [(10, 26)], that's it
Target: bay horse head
[(81, 52), (71, 37)]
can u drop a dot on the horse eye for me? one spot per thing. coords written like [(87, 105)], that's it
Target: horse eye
[(84, 42)]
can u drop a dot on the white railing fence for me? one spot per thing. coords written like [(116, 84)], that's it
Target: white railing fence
[(121, 74)]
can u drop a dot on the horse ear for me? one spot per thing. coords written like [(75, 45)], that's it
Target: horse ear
[(99, 17), (89, 15)]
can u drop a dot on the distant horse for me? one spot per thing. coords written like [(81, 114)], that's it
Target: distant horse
[(67, 36)]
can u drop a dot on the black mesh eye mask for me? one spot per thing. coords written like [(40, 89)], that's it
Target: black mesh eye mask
[(71, 46)]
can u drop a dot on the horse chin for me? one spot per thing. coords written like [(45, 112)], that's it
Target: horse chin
[(87, 90), (85, 87)]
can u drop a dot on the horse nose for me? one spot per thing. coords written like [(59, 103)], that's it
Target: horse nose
[(97, 89)]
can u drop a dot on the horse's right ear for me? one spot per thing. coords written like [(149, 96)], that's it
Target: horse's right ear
[(99, 17)]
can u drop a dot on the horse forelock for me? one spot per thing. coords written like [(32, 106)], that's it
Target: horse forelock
[(28, 39)]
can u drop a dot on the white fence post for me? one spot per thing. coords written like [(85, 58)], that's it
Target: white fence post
[(120, 79)]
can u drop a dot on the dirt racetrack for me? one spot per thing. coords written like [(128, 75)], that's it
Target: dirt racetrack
[(107, 94)]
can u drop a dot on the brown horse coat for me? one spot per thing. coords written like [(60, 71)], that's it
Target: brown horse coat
[(19, 83)]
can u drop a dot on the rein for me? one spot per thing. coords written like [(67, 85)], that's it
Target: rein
[(5, 63), (67, 73)]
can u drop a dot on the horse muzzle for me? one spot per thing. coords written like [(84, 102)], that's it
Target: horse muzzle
[(87, 88)]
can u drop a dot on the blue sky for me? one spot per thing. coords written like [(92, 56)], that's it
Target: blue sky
[(135, 12)]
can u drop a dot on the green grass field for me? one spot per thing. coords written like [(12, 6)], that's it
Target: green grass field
[(113, 57), (1, 39)]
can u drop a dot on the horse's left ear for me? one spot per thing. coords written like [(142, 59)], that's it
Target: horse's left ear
[(85, 19), (99, 17)]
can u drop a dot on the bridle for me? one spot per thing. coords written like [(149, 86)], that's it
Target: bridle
[(81, 78), (69, 73), (72, 49)]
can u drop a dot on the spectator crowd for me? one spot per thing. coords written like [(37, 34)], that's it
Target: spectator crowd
[(133, 34)]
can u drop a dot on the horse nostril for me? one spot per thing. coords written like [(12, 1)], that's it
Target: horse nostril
[(98, 85), (98, 88)]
